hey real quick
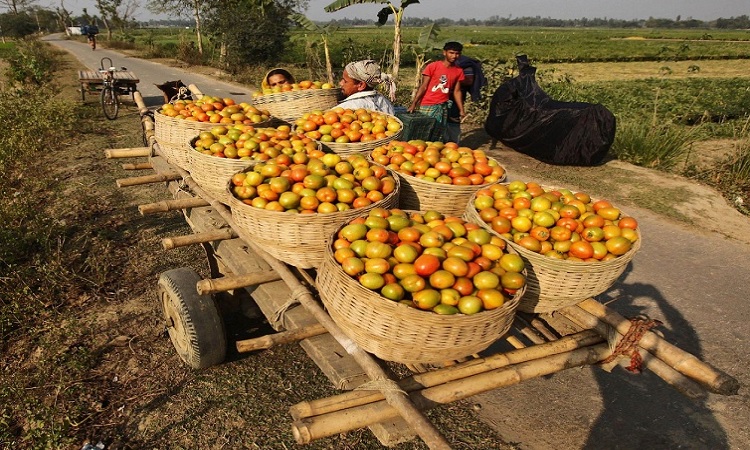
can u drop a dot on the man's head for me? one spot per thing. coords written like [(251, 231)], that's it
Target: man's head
[(361, 76), (451, 51)]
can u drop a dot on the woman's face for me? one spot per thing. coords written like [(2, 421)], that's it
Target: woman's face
[(277, 80)]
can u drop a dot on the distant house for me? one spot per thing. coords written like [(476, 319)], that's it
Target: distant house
[(74, 31)]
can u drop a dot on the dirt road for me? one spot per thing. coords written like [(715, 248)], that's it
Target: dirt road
[(692, 279)]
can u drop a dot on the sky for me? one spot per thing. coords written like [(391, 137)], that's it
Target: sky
[(480, 9)]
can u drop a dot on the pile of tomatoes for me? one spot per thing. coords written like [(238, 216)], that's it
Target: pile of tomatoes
[(313, 182), (343, 126), (215, 110), (249, 143), (429, 261), (556, 222), (445, 163)]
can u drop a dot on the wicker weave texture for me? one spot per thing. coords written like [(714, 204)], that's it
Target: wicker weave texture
[(298, 239), (291, 105), (449, 199), (552, 283), (213, 173), (396, 332)]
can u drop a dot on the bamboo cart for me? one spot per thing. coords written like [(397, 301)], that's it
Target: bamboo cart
[(588, 333), (92, 81)]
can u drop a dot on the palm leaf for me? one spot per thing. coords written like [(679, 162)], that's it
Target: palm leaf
[(428, 34), (341, 4), (304, 22)]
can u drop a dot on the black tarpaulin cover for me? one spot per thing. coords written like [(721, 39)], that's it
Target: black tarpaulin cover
[(523, 117)]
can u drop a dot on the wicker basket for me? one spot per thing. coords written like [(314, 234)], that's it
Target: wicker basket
[(174, 135), (396, 332), (212, 173), (552, 283), (360, 148), (291, 105), (297, 239), (449, 199)]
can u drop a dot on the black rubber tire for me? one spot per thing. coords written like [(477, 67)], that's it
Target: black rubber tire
[(194, 324), (110, 103)]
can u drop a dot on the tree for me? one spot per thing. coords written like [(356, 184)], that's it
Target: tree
[(249, 31), (116, 13), (17, 25), (398, 14), (15, 7), (184, 7), (325, 32)]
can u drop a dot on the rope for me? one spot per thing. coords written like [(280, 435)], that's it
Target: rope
[(182, 94), (277, 321), (382, 385), (628, 345)]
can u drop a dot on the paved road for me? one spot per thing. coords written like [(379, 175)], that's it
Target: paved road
[(150, 73), (696, 283)]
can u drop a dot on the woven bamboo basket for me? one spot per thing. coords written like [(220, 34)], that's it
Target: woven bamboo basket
[(174, 135), (361, 148), (449, 199), (212, 173), (552, 283), (291, 105), (396, 332), (297, 239)]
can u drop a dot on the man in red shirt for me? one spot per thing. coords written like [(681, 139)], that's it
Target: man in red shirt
[(441, 83)]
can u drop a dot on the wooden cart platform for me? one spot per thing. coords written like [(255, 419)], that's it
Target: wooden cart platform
[(91, 81), (537, 345)]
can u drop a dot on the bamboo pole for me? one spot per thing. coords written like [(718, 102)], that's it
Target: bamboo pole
[(312, 428), (195, 91), (137, 166), (138, 98), (674, 378), (398, 399), (284, 337), (148, 179), (131, 152), (447, 374), (684, 362), (228, 283), (172, 205), (220, 234)]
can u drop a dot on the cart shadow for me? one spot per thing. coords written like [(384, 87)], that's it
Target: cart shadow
[(642, 411)]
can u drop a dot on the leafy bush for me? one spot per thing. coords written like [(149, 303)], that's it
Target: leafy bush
[(31, 62)]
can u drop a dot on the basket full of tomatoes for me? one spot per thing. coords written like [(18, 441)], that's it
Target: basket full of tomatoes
[(291, 204), (217, 155), (575, 247), (288, 102), (420, 287), (438, 176), (346, 131), (177, 123)]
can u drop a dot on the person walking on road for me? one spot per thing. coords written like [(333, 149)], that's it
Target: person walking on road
[(441, 85)]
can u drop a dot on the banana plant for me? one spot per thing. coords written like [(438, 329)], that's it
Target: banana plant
[(425, 44), (325, 32), (398, 13)]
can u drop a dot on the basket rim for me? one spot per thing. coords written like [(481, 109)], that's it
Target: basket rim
[(302, 93)]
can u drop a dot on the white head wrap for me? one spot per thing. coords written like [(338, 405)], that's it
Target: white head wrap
[(369, 72)]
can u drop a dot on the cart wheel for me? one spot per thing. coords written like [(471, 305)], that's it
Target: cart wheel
[(193, 321)]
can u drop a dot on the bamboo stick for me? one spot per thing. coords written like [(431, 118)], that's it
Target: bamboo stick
[(137, 166), (400, 401), (228, 283), (684, 362), (437, 377), (540, 326), (515, 342), (284, 337), (312, 428), (147, 179), (195, 91), (674, 378), (138, 98), (131, 152), (220, 234), (172, 205)]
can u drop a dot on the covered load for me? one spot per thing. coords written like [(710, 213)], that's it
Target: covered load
[(523, 117)]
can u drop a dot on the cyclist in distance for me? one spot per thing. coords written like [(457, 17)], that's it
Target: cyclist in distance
[(91, 31)]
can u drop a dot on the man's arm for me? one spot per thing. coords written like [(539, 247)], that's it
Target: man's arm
[(458, 98), (420, 93)]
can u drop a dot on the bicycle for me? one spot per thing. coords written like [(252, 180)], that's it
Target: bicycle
[(92, 41), (110, 95)]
